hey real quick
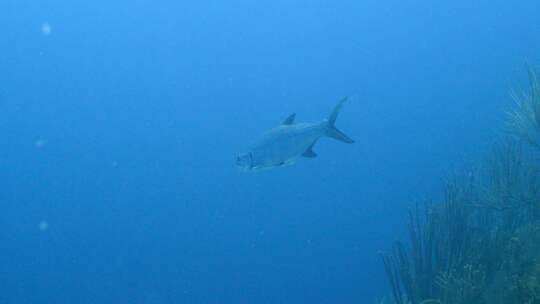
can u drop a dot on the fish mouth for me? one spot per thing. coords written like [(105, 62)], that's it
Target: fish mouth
[(245, 161)]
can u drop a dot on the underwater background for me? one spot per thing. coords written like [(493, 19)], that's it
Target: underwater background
[(120, 122)]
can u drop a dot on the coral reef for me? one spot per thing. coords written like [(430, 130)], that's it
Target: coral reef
[(481, 244), (524, 118)]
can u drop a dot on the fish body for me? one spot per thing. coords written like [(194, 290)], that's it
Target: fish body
[(284, 144)]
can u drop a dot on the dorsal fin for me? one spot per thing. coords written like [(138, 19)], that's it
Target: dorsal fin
[(289, 120)]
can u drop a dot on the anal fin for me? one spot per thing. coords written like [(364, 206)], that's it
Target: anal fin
[(309, 152)]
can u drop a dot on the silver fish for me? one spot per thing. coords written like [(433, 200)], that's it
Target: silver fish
[(284, 144)]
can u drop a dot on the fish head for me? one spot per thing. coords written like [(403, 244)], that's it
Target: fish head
[(245, 160)]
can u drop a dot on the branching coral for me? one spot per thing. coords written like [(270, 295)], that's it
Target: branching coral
[(441, 238), (510, 183), (522, 264), (482, 243), (463, 285), (524, 118)]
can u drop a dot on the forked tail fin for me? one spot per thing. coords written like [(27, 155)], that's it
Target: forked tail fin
[(331, 130)]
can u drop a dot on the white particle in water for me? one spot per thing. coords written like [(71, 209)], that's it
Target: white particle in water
[(46, 29), (40, 143), (43, 225)]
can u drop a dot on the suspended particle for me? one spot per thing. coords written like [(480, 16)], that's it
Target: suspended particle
[(43, 225), (46, 29), (40, 143)]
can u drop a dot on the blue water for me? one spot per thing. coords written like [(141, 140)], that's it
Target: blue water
[(120, 121)]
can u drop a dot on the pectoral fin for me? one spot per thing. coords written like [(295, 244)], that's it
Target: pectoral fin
[(285, 163)]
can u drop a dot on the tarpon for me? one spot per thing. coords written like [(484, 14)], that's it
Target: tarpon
[(286, 143)]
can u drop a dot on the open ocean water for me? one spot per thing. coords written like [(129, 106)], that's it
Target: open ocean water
[(120, 122)]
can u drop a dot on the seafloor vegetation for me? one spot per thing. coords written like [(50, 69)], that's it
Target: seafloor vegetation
[(481, 243)]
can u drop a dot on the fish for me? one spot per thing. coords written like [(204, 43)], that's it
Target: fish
[(290, 141)]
